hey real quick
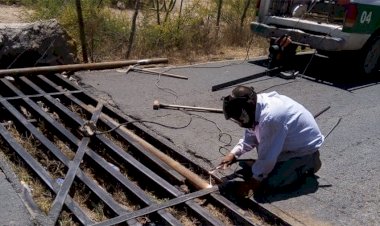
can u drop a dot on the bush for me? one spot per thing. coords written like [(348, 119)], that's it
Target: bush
[(106, 32), (184, 35)]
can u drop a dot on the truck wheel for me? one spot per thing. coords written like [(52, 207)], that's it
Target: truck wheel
[(370, 59)]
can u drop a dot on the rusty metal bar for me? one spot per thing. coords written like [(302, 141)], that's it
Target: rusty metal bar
[(79, 67), (192, 177), (138, 166)]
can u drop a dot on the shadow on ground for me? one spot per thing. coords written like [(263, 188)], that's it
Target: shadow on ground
[(332, 72), (307, 185)]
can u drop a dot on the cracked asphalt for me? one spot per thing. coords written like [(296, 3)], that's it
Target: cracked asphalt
[(347, 191)]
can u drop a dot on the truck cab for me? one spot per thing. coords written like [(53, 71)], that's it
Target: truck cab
[(329, 26)]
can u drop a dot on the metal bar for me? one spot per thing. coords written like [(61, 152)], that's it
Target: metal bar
[(159, 141), (159, 73), (41, 172), (134, 189), (157, 105), (138, 166), (79, 67), (134, 139), (69, 179), (205, 215), (244, 79), (39, 95), (238, 213), (11, 86), (137, 191), (156, 207), (321, 112), (156, 179)]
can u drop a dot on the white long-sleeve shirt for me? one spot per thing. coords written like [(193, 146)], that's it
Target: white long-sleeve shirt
[(285, 130)]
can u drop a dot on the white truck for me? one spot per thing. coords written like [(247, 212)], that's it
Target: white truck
[(332, 27)]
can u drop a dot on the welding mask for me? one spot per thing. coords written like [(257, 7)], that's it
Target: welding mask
[(240, 107)]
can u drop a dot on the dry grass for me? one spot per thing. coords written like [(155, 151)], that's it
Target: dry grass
[(223, 53), (66, 219), (94, 210), (219, 214), (40, 192), (185, 218)]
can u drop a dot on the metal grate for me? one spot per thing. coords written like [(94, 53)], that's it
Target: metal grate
[(40, 121)]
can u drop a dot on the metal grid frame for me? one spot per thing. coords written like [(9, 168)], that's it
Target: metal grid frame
[(52, 90)]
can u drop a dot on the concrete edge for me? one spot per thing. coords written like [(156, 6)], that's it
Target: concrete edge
[(36, 216)]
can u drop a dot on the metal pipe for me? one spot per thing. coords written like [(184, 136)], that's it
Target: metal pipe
[(157, 105), (193, 178), (160, 73), (79, 67)]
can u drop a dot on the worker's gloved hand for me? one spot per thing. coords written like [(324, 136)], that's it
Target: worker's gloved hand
[(227, 161)]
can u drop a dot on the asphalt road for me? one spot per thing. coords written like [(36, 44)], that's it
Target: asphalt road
[(347, 191)]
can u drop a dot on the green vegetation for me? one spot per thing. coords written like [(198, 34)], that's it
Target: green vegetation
[(181, 30)]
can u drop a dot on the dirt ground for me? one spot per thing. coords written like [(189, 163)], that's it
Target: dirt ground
[(12, 14)]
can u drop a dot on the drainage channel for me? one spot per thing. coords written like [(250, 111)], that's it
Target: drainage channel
[(105, 179)]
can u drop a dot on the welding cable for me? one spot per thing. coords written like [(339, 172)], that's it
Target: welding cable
[(220, 135)]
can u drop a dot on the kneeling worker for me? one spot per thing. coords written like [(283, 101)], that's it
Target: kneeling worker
[(285, 134)]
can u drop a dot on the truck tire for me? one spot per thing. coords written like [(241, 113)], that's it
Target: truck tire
[(369, 62)]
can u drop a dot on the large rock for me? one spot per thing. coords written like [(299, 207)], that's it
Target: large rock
[(35, 44)]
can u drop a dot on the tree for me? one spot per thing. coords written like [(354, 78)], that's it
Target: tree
[(133, 28)]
